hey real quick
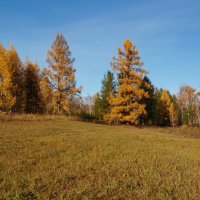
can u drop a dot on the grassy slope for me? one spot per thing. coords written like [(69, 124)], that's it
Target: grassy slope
[(61, 159)]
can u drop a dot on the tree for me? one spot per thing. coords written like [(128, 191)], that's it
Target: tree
[(77, 105), (164, 105), (173, 116), (188, 100), (33, 103), (150, 102), (15, 68), (167, 111), (61, 74), (98, 107), (7, 98), (11, 80), (108, 88), (177, 116), (89, 102), (157, 95), (126, 106), (46, 93)]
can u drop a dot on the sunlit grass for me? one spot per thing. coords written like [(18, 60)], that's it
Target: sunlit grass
[(63, 159)]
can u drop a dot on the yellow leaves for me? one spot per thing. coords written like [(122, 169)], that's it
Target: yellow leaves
[(125, 89), (65, 103), (136, 62), (46, 93), (171, 108), (147, 85), (7, 100), (127, 45), (120, 52), (2, 59), (9, 69), (61, 73), (165, 98), (134, 116), (173, 114), (125, 105), (168, 107)]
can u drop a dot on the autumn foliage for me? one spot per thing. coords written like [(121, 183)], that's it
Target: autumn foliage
[(10, 80), (127, 95), (61, 74), (125, 104), (25, 89)]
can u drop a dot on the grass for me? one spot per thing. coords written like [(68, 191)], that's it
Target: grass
[(63, 159), (27, 117)]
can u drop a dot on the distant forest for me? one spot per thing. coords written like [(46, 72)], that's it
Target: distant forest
[(127, 95)]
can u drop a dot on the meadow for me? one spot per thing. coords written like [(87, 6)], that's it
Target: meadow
[(60, 158)]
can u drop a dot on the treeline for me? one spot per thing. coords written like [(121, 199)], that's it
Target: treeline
[(26, 89), (127, 95), (133, 99)]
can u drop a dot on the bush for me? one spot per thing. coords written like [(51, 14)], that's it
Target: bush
[(86, 117)]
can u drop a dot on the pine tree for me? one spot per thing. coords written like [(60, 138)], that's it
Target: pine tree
[(98, 107), (33, 103), (108, 88), (61, 74), (150, 102), (125, 104)]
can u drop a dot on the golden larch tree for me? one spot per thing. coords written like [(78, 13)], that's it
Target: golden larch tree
[(173, 116), (7, 98), (125, 104), (167, 112), (61, 74), (2, 67), (15, 69), (46, 93)]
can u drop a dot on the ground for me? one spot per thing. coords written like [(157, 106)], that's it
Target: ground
[(65, 159)]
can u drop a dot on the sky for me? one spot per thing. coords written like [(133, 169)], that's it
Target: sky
[(166, 33)]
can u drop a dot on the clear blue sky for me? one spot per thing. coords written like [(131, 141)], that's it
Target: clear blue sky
[(167, 34)]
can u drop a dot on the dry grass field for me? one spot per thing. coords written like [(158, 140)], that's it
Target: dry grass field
[(64, 159)]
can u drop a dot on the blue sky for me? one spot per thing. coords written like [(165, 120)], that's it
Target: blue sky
[(167, 34)]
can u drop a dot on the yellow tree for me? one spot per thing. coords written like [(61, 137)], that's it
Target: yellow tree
[(163, 108), (126, 106), (61, 74), (167, 112), (2, 67), (14, 66), (7, 98), (173, 116), (46, 93)]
